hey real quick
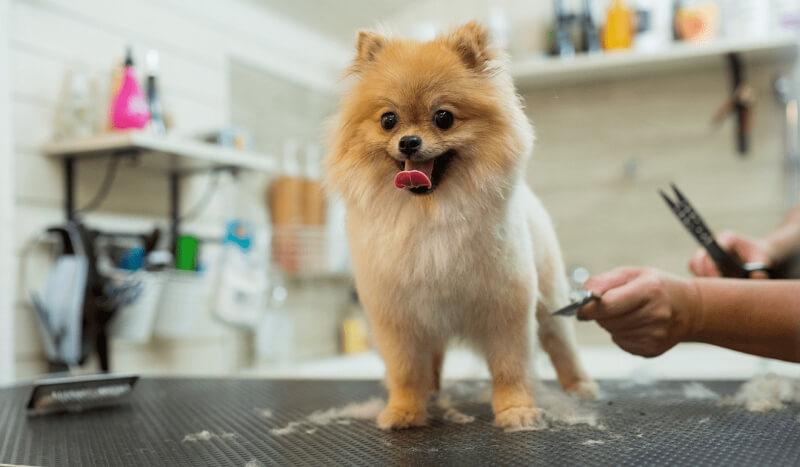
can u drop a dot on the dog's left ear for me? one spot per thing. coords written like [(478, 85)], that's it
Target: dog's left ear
[(471, 43)]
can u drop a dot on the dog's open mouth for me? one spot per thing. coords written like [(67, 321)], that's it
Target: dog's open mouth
[(422, 177)]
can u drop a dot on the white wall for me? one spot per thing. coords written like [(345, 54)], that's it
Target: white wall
[(6, 210), (196, 39)]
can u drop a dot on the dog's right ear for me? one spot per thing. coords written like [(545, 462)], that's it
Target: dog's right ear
[(368, 46), (471, 43)]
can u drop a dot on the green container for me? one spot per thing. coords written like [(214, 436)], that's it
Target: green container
[(186, 254)]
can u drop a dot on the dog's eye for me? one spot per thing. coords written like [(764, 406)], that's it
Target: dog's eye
[(388, 120), (443, 119)]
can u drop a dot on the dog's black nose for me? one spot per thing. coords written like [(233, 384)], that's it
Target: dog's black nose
[(409, 144)]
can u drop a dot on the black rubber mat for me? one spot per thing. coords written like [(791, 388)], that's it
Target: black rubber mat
[(643, 425)]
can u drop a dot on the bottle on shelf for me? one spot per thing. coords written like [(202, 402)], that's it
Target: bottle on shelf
[(156, 124), (129, 108), (75, 116), (562, 38), (618, 31), (590, 36), (697, 20)]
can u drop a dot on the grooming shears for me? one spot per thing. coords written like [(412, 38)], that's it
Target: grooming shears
[(572, 308), (728, 264)]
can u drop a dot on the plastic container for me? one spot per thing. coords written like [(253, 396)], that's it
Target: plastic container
[(76, 119), (129, 109), (134, 321), (185, 297), (618, 31)]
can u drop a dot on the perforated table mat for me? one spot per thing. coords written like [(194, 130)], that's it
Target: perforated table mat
[(191, 422)]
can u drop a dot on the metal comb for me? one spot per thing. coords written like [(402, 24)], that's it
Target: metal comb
[(572, 308)]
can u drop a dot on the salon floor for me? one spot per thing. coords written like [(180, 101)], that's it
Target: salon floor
[(687, 361)]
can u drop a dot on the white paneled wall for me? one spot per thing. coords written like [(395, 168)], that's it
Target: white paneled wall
[(49, 39), (6, 209)]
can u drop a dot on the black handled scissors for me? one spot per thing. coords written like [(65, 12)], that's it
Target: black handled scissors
[(728, 264)]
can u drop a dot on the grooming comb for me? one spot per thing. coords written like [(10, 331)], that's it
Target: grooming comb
[(572, 308), (76, 394)]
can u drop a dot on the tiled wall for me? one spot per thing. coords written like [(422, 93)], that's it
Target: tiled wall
[(196, 39)]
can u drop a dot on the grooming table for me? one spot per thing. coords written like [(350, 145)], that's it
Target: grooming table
[(644, 425)]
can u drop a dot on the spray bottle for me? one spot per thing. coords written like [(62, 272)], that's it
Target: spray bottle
[(129, 107)]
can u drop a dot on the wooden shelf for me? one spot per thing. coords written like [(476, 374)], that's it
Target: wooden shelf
[(540, 72), (166, 153)]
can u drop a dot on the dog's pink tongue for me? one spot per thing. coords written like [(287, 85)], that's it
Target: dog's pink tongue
[(416, 174)]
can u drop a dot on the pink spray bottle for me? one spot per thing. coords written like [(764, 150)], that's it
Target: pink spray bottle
[(129, 108)]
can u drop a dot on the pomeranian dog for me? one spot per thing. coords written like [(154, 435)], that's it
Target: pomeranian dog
[(428, 151)]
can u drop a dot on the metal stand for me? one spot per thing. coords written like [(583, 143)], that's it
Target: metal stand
[(174, 210), (175, 176), (69, 188)]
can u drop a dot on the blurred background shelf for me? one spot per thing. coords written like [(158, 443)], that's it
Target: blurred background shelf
[(165, 153), (539, 72)]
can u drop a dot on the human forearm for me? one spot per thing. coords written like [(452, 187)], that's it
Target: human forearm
[(757, 317)]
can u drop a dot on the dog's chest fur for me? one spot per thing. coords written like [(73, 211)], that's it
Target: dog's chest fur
[(440, 274)]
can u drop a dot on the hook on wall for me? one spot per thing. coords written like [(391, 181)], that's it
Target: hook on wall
[(740, 104)]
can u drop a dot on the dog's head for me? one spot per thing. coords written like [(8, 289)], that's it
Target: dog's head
[(427, 122)]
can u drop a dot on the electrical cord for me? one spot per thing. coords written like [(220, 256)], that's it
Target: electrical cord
[(105, 187), (108, 182)]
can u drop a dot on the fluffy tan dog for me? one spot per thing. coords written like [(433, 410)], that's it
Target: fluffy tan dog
[(447, 240)]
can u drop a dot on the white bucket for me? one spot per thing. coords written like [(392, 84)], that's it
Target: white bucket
[(185, 297), (134, 321)]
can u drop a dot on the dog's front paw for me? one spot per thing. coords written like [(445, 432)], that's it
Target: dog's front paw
[(398, 418), (584, 388), (518, 417)]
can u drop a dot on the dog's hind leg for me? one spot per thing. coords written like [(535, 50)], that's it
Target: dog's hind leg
[(557, 334)]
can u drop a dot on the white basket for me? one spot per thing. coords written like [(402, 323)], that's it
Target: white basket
[(186, 295), (134, 321)]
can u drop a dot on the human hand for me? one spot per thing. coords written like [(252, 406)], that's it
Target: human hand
[(747, 249), (646, 311)]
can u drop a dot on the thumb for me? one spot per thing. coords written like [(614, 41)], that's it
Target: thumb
[(601, 283), (726, 239)]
